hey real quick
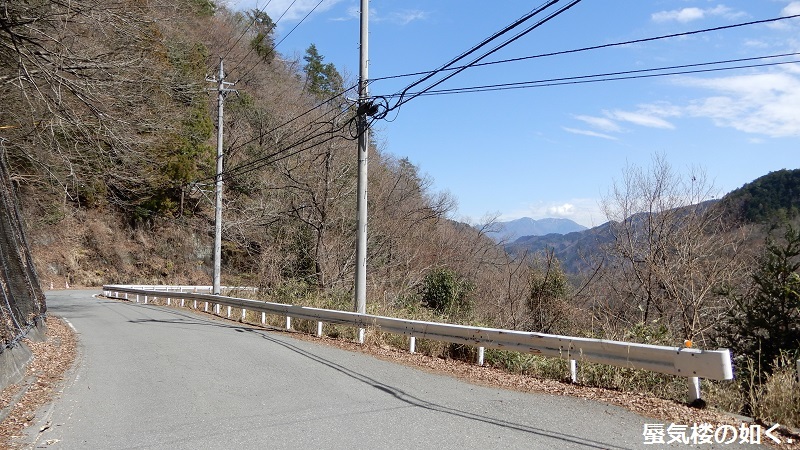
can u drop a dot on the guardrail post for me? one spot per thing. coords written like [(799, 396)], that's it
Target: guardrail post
[(137, 298), (244, 314), (694, 389), (573, 370), (361, 335), (206, 308), (168, 301), (412, 345), (145, 299), (229, 311), (288, 323), (480, 355), (183, 300), (319, 329), (263, 318)]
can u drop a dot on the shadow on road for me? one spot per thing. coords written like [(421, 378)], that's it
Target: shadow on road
[(192, 319)]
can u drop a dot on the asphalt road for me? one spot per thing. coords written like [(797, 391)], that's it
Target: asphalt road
[(155, 377)]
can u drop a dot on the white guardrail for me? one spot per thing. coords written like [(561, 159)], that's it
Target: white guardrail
[(685, 362)]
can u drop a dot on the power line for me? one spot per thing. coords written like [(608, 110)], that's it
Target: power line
[(262, 161), (402, 101), (309, 111), (486, 41), (257, 163), (274, 25), (281, 154), (298, 23), (595, 47), (622, 75), (613, 76), (265, 160)]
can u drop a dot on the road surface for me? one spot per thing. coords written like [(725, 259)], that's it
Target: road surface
[(156, 377)]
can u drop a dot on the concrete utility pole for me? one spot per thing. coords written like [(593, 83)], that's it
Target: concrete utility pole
[(363, 151), (221, 92)]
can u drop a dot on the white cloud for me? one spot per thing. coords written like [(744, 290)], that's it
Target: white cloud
[(647, 115), (585, 211), (686, 15), (724, 11), (767, 104), (400, 17), (791, 9), (353, 13), (756, 43), (660, 109), (404, 17), (641, 118), (589, 133), (681, 15), (602, 123), (565, 210)]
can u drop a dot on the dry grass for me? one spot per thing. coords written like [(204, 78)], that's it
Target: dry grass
[(51, 360), (777, 400)]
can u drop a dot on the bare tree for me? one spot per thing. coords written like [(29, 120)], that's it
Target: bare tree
[(670, 253), (100, 100)]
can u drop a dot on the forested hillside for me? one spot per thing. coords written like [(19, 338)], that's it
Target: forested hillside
[(109, 127), (771, 197)]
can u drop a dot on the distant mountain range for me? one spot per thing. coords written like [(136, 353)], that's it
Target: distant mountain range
[(768, 199), (512, 230)]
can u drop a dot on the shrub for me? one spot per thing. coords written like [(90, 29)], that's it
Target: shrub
[(447, 293)]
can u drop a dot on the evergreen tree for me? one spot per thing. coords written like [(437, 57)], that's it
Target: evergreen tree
[(263, 43), (766, 320), (322, 80)]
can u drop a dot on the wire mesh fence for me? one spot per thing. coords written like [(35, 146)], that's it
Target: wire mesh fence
[(22, 301)]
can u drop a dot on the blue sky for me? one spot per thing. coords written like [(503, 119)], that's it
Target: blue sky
[(555, 151)]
